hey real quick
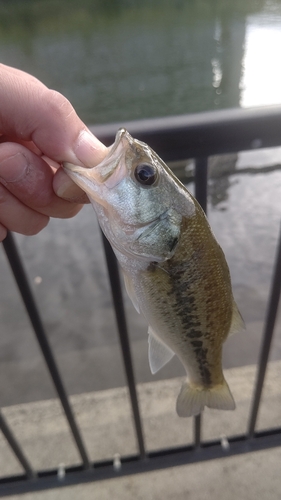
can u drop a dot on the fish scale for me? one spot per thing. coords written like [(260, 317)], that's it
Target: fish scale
[(185, 279)]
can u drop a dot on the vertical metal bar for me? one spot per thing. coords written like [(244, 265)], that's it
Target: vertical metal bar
[(16, 448), (117, 297), (201, 178), (272, 309), (197, 430), (33, 313)]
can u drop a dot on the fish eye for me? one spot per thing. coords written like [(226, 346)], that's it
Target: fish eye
[(146, 174)]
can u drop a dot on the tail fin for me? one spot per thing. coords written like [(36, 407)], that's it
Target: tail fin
[(192, 399)]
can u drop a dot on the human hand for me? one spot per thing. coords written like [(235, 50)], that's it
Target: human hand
[(39, 130)]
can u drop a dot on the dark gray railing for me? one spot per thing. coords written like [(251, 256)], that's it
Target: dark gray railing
[(174, 138)]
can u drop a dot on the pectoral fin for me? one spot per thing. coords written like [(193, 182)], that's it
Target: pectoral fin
[(158, 353), (131, 292)]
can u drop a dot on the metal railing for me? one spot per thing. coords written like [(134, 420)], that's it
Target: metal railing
[(174, 138)]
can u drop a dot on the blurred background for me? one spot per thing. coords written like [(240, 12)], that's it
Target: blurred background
[(118, 60)]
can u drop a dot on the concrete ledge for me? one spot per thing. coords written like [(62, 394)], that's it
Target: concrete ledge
[(106, 424)]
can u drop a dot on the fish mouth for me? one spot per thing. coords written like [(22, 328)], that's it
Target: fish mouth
[(81, 176), (108, 172)]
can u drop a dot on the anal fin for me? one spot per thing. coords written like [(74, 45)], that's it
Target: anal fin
[(159, 354)]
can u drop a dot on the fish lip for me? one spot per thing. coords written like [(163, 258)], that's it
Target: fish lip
[(119, 136), (84, 178), (77, 173), (71, 167), (101, 172)]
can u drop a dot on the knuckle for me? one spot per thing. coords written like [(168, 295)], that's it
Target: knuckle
[(60, 106)]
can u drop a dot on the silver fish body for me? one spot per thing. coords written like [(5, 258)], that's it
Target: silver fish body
[(175, 272)]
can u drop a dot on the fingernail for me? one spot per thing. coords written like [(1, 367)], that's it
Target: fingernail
[(66, 190), (89, 150), (13, 168)]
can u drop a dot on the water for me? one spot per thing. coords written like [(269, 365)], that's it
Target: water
[(123, 60), (120, 60)]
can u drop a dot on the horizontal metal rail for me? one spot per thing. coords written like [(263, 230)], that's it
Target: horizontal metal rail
[(155, 460), (174, 138), (203, 134)]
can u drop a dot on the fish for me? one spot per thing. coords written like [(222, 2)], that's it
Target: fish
[(175, 271)]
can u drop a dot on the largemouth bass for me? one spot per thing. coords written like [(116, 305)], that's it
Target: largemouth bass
[(175, 271)]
